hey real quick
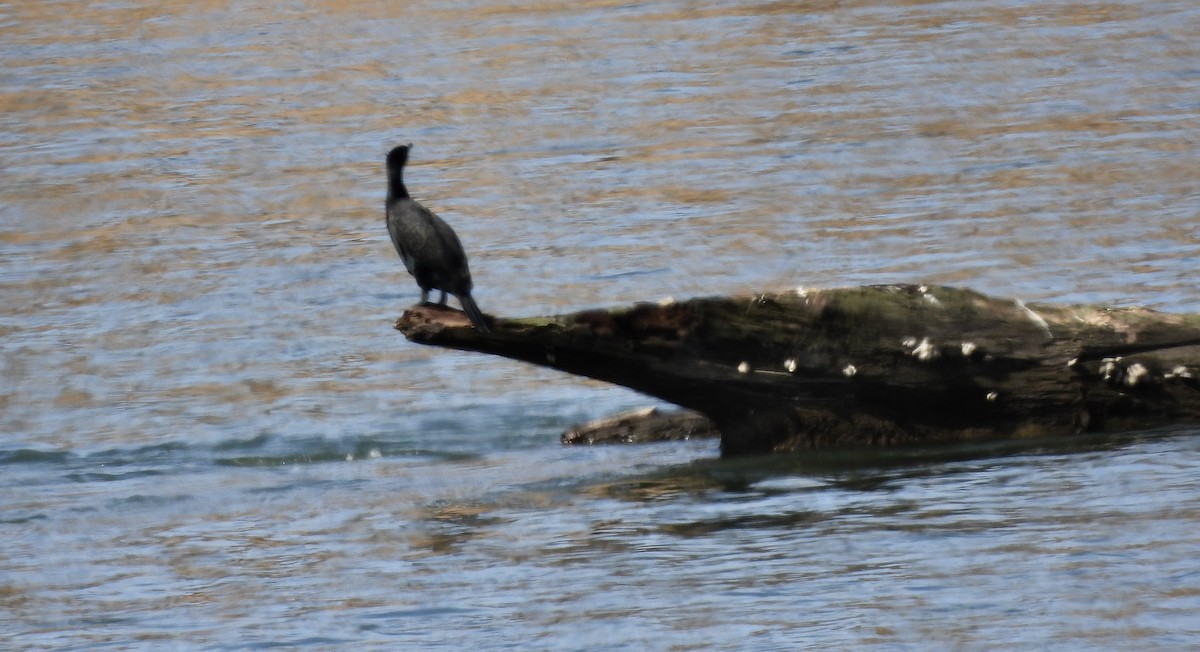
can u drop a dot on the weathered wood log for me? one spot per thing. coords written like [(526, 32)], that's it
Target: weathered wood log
[(641, 426), (876, 365)]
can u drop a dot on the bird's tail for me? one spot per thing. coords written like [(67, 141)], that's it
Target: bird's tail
[(473, 312)]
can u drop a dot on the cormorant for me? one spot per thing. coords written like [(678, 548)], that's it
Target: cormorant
[(428, 246)]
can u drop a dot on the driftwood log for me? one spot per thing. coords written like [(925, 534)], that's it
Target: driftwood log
[(870, 366), (642, 426)]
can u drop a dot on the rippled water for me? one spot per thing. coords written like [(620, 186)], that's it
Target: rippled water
[(212, 437)]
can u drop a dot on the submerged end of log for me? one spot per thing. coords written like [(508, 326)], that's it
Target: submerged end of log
[(871, 366), (643, 426)]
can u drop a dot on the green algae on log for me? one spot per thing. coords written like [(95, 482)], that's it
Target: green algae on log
[(868, 366)]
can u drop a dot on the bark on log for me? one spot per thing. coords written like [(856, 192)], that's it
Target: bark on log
[(876, 365)]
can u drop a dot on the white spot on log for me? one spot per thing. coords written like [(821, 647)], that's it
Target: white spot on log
[(992, 397), (1108, 366), (790, 365), (666, 301), (1072, 362), (849, 371), (1136, 374), (909, 342), (1034, 317), (802, 292), (929, 298), (1179, 371), (968, 348), (744, 368), (925, 351)]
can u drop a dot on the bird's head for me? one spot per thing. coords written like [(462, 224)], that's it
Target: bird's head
[(398, 156)]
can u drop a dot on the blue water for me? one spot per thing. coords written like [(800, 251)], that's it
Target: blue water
[(211, 437), (1054, 544)]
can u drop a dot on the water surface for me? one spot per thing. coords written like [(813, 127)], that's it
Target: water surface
[(210, 435)]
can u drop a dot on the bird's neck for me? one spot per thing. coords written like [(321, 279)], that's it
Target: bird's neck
[(396, 189)]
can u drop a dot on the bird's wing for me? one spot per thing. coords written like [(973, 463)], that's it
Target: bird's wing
[(414, 232), (449, 244)]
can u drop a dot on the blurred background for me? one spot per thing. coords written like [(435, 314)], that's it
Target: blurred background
[(211, 436)]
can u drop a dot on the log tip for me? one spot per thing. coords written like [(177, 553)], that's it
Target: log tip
[(423, 321)]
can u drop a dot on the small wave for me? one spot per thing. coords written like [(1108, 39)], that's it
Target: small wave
[(93, 476), (30, 456)]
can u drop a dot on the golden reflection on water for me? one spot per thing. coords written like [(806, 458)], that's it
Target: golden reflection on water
[(203, 180)]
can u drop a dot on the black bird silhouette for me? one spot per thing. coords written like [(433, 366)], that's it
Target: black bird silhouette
[(428, 246)]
